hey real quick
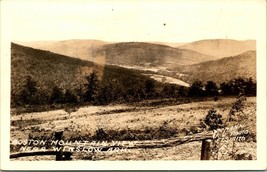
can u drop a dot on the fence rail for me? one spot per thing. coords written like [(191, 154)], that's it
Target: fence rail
[(205, 137), (66, 155), (170, 142)]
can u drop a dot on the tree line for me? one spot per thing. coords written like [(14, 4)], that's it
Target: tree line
[(234, 87), (101, 92)]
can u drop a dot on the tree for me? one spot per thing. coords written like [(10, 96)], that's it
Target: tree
[(57, 95), (238, 86), (27, 95), (92, 87), (250, 88), (196, 89), (150, 88), (211, 89), (70, 97), (130, 94), (107, 93), (170, 90), (183, 91), (226, 88), (41, 97)]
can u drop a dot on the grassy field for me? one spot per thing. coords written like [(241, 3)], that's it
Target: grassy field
[(132, 122)]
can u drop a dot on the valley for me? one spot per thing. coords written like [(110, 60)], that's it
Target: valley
[(180, 61), (135, 91)]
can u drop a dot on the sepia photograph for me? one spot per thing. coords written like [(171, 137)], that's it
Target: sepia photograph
[(131, 81)]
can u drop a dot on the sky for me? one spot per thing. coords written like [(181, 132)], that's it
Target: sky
[(161, 21)]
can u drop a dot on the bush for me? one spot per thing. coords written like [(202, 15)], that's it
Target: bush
[(213, 120), (236, 111), (101, 135)]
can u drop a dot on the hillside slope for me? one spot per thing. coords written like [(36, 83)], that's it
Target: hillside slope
[(49, 70), (222, 70), (221, 47), (74, 48), (170, 44), (123, 53), (148, 54)]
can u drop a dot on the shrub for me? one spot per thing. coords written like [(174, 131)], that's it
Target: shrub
[(237, 109), (213, 120), (101, 134)]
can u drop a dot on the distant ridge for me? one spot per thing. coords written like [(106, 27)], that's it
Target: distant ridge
[(211, 59), (222, 70), (171, 44), (221, 47), (127, 52), (78, 48), (148, 54)]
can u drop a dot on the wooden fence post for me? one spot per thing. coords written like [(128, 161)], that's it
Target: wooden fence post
[(206, 149), (67, 156), (58, 137)]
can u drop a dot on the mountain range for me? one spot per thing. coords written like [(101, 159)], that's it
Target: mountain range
[(214, 59), (50, 70), (222, 70), (221, 47)]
